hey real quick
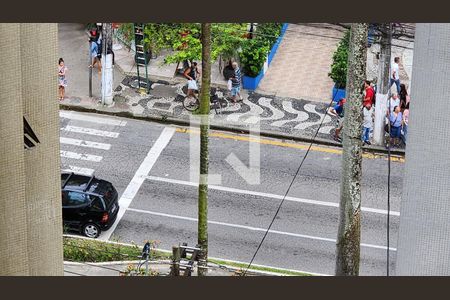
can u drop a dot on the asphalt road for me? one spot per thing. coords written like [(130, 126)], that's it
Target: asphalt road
[(149, 165)]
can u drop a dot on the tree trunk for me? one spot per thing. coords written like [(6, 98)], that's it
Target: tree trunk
[(383, 83), (204, 130), (348, 240)]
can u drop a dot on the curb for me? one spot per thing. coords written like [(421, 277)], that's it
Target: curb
[(164, 262), (263, 133)]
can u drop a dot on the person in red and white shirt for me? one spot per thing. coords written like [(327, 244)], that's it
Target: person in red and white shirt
[(369, 93)]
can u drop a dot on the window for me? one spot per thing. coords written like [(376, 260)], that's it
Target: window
[(96, 203), (30, 138), (65, 199), (76, 199)]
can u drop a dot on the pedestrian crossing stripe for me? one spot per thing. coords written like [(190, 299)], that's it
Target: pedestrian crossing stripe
[(93, 119), (90, 131), (74, 155), (81, 143)]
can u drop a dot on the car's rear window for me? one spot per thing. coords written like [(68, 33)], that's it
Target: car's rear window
[(108, 192)]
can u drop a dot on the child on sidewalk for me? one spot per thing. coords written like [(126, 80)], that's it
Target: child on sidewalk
[(367, 123)]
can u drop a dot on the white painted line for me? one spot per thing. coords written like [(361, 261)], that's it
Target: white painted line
[(90, 131), (139, 177), (267, 195), (81, 143), (317, 238), (94, 119), (84, 171), (263, 266), (73, 155)]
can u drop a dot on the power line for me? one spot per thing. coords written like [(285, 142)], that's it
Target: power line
[(287, 192)]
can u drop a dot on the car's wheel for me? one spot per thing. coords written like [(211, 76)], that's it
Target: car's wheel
[(91, 230)]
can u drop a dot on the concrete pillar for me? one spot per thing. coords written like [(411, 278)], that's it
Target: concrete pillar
[(13, 215), (424, 233), (30, 213)]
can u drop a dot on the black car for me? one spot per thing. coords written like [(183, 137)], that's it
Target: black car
[(89, 204)]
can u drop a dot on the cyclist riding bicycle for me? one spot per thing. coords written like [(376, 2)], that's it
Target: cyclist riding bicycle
[(191, 74)]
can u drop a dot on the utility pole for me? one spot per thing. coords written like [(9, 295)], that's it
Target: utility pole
[(382, 83), (204, 155), (107, 72), (349, 232)]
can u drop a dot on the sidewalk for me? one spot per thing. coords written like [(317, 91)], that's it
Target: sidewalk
[(302, 63), (278, 116), (162, 268)]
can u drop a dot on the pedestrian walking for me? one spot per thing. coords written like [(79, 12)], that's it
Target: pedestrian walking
[(403, 96), (338, 110), (96, 54), (191, 74), (236, 83), (369, 93), (62, 81), (395, 74), (367, 123), (396, 120), (405, 123)]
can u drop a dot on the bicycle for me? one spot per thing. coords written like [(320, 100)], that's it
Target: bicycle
[(193, 103)]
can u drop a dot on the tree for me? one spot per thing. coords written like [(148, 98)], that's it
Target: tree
[(204, 155), (349, 232)]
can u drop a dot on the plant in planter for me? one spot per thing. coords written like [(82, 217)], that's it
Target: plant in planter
[(254, 51), (253, 56), (339, 67)]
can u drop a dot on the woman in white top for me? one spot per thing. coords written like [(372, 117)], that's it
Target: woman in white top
[(394, 101)]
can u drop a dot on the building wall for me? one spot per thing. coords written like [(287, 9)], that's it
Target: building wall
[(13, 215), (32, 214), (424, 233)]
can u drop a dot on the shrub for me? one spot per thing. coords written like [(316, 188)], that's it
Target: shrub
[(252, 57), (84, 250), (254, 51), (340, 59)]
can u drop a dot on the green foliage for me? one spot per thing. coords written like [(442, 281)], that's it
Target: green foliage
[(84, 250), (268, 33), (253, 56), (132, 270), (227, 38), (126, 32), (255, 51), (340, 59), (186, 43), (158, 36)]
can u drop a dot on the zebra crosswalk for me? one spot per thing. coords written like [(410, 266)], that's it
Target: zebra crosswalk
[(85, 139)]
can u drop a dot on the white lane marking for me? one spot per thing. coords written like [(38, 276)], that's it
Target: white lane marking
[(261, 266), (139, 177), (84, 171), (94, 119), (268, 195), (90, 131), (81, 143), (317, 238), (73, 155)]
